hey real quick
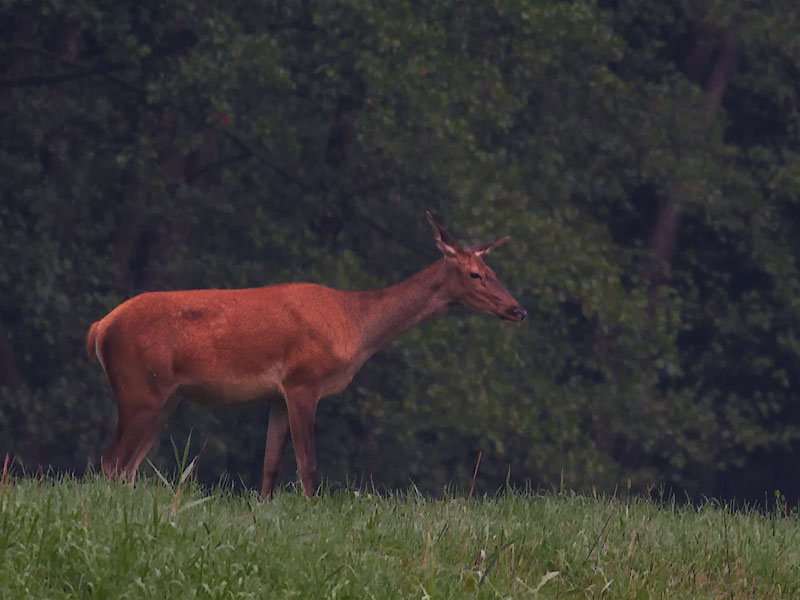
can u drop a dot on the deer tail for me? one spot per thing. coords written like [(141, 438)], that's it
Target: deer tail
[(91, 341)]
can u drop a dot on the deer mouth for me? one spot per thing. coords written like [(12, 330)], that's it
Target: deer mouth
[(515, 314)]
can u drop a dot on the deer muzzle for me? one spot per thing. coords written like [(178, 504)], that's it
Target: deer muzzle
[(514, 313)]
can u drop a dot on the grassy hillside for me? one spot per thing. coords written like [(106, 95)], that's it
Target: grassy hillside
[(62, 538)]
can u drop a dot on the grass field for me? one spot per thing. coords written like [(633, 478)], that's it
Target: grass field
[(63, 538)]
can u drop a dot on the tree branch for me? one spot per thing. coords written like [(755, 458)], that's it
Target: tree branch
[(218, 164), (59, 78), (101, 70), (244, 145)]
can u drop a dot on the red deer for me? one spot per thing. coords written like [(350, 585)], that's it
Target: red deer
[(289, 344)]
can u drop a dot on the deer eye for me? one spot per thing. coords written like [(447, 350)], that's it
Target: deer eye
[(475, 275)]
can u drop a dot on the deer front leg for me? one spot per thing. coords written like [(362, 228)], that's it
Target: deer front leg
[(301, 406), (277, 433)]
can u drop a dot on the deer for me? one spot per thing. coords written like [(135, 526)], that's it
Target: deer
[(289, 345)]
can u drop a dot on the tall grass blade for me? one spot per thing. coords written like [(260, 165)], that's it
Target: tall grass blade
[(159, 475)]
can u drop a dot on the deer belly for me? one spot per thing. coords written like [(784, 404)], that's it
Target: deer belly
[(335, 384), (249, 389)]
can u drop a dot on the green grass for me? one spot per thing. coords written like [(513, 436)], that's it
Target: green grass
[(63, 538)]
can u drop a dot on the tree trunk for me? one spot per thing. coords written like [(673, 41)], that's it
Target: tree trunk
[(663, 240)]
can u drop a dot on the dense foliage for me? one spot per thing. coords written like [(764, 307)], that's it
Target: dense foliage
[(643, 156)]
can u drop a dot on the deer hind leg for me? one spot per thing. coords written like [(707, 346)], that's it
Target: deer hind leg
[(277, 433), (301, 406), (142, 433), (111, 460), (144, 409)]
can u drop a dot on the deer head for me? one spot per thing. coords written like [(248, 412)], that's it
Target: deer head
[(470, 281)]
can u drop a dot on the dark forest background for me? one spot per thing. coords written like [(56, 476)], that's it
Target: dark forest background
[(641, 154)]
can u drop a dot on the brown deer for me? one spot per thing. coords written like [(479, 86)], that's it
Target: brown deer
[(289, 344)]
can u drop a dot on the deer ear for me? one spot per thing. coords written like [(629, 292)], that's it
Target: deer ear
[(444, 241), (486, 247)]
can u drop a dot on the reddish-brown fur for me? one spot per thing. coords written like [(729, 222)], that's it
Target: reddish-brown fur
[(290, 345)]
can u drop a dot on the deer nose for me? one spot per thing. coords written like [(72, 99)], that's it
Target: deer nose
[(519, 313)]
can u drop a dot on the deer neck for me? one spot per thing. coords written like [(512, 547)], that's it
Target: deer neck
[(387, 313)]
